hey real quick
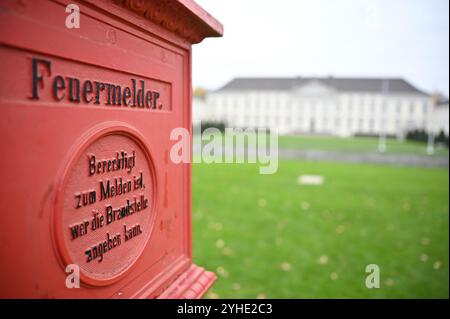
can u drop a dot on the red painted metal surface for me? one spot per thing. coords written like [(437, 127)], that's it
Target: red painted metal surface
[(86, 116)]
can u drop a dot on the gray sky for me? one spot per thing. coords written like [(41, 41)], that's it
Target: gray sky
[(369, 38)]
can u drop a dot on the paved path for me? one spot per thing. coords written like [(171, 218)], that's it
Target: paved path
[(376, 158)]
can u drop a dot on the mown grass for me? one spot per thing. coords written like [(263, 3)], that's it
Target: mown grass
[(267, 236)]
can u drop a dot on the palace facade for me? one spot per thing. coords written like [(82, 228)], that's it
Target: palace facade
[(329, 105)]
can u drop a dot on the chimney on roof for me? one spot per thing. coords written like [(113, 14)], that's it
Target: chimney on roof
[(435, 97)]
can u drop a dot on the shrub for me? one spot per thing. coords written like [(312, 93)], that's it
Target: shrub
[(417, 135), (422, 136), (218, 125), (441, 138)]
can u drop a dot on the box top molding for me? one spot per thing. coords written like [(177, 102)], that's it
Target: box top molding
[(183, 17)]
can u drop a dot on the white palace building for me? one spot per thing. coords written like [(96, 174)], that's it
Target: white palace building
[(328, 105)]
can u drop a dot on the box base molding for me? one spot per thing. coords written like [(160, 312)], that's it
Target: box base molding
[(192, 284)]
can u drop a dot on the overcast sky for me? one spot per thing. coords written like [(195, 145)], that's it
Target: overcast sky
[(367, 38)]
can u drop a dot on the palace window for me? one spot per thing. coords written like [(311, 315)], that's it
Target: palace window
[(411, 108), (337, 123), (360, 124), (399, 107), (424, 107), (372, 125)]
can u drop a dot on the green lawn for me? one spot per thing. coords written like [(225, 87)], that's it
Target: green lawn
[(267, 236)]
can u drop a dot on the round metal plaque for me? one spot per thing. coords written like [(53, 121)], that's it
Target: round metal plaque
[(105, 206)]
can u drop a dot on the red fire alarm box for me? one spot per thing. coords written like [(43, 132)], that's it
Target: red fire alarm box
[(90, 92)]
